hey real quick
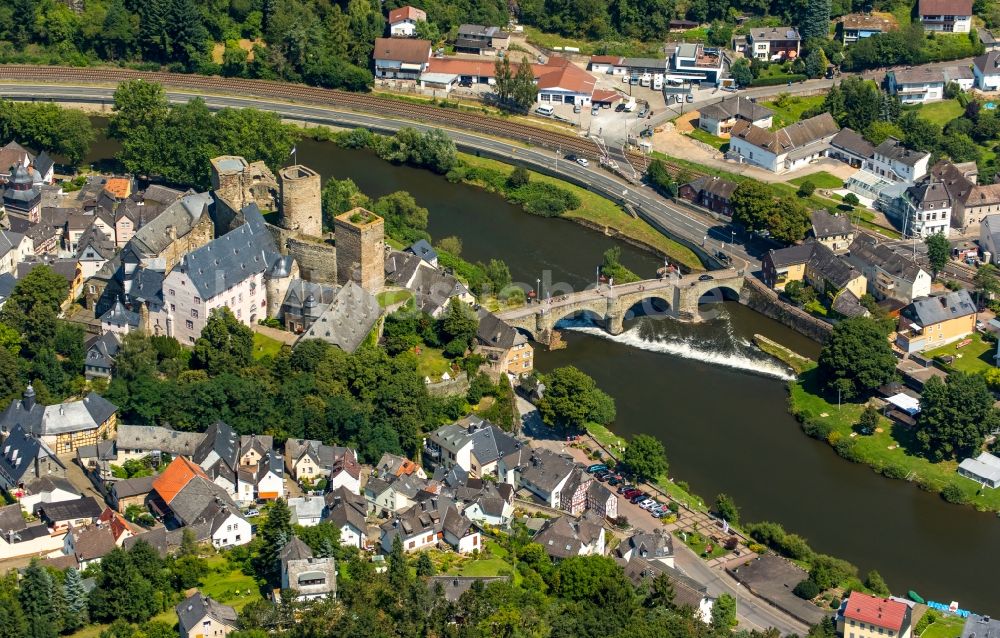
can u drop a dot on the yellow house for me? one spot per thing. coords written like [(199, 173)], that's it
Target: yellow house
[(932, 322), (817, 265), (864, 616), (200, 616), (506, 350)]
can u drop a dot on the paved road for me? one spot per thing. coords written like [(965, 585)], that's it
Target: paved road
[(679, 221)]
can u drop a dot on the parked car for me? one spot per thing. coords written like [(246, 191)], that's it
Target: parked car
[(250, 513), (629, 493), (577, 108), (582, 161), (723, 257), (706, 278), (603, 476), (689, 98), (625, 487), (644, 110), (594, 109), (646, 503), (620, 107), (641, 496), (597, 467)]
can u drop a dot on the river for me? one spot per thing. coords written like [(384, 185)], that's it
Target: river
[(716, 402)]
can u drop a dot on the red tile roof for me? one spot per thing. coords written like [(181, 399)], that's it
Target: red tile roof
[(177, 475), (405, 50), (560, 73), (880, 612), (406, 13), (605, 59), (946, 7), (606, 96), (465, 67)]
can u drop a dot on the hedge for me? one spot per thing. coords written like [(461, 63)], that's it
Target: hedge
[(780, 79)]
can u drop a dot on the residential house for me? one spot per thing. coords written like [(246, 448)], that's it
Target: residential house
[(88, 544), (24, 461), (932, 322), (386, 493), (423, 249), (602, 501), (983, 200), (922, 84), (573, 495), (989, 237), (857, 26), (62, 515), (868, 616), (427, 521), (97, 459), (22, 195), (851, 148), (986, 68), (890, 275), (348, 320), (820, 268), (687, 591), (393, 465), (311, 578), (403, 21), (656, 546), (14, 249), (719, 118), (479, 39), (141, 441), (65, 426), (7, 283), (697, 63), (710, 192), (988, 39), (564, 536), (928, 207), (347, 511), (562, 82), (18, 538), (246, 467), (606, 64), (309, 460), (119, 319), (94, 250), (401, 59), (773, 43), (833, 231), (981, 626), (233, 271), (959, 180), (485, 503), (307, 511), (505, 349), (101, 353), (47, 489), (785, 149), (984, 469), (541, 472), (131, 491), (432, 288), (199, 616), (471, 443), (896, 163), (452, 587), (68, 267), (948, 16), (12, 155)]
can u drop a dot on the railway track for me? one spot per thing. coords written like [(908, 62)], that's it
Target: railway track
[(331, 98)]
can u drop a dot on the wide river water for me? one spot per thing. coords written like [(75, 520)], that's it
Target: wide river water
[(717, 403)]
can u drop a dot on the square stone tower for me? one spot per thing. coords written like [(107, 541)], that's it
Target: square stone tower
[(359, 235), (301, 202)]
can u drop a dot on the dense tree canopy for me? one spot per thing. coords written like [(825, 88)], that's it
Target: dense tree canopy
[(857, 358), (645, 457), (955, 417), (572, 400)]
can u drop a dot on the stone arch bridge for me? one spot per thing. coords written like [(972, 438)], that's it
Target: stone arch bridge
[(680, 295)]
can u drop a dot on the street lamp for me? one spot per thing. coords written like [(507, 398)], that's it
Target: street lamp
[(538, 289)]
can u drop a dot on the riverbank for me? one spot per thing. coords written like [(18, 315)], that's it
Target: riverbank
[(887, 451)]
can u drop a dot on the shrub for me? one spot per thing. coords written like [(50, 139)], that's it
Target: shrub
[(806, 590), (926, 621), (954, 494), (817, 429), (779, 79), (806, 189), (894, 471), (546, 200), (847, 449)]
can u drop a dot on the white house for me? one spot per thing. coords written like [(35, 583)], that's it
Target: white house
[(772, 43), (719, 118), (896, 163), (890, 275), (424, 523), (564, 536), (346, 511), (473, 444), (401, 58), (698, 63), (562, 82), (786, 149), (928, 209), (986, 68), (306, 510), (919, 85), (948, 16), (989, 237), (229, 529), (403, 21), (14, 248)]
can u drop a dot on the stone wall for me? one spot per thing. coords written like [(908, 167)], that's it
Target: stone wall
[(762, 299), (202, 233), (301, 208), (451, 387), (317, 260)]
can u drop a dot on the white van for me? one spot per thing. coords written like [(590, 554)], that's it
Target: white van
[(545, 110), (657, 82), (645, 80), (630, 105)]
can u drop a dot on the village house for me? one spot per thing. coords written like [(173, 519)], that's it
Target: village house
[(989, 237), (948, 16), (833, 231), (347, 511), (506, 350), (919, 85), (890, 275), (394, 466), (403, 21), (101, 353), (139, 441), (710, 192), (851, 148), (573, 495), (401, 58), (88, 544), (309, 460), (303, 304), (564, 536), (427, 521), (687, 591), (131, 491), (432, 288), (602, 501), (63, 427), (62, 515), (719, 118), (199, 616), (927, 209), (18, 538), (986, 68), (247, 466), (541, 472), (348, 320), (656, 546), (311, 578), (894, 162), (471, 443), (14, 249), (866, 616), (25, 460), (770, 43), (480, 40), (94, 250), (976, 625), (932, 322), (47, 489), (786, 149), (423, 249), (485, 503), (815, 264), (697, 63), (857, 26), (562, 82)]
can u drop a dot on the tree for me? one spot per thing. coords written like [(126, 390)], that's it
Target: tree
[(806, 189), (752, 203), (36, 601), (660, 179), (741, 73), (458, 328), (645, 457), (726, 508), (225, 344), (816, 63), (503, 79), (807, 589), (788, 220), (451, 245), (919, 134), (876, 584), (868, 421), (275, 532), (857, 358), (987, 281), (955, 417), (398, 570), (425, 568), (518, 177), (800, 293), (661, 592), (938, 251), (524, 90), (34, 305), (499, 275), (851, 200), (77, 600), (724, 613), (572, 399)]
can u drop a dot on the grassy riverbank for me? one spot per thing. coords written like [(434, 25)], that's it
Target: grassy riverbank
[(602, 214)]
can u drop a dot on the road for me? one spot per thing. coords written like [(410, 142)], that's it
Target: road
[(686, 224)]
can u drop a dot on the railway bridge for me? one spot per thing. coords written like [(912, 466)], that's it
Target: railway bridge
[(612, 304)]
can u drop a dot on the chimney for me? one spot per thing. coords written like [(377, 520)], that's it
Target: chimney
[(172, 233)]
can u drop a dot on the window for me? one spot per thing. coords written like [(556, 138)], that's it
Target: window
[(197, 300), (189, 324), (172, 292), (194, 313)]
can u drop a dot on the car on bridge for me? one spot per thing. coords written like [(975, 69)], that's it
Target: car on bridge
[(706, 278)]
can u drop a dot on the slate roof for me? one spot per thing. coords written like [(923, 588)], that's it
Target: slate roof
[(11, 519), (201, 499), (452, 587), (826, 225), (395, 465), (774, 33), (687, 591), (133, 486), (954, 180), (221, 439), (191, 611), (977, 626), (183, 215), (497, 333), (344, 507), (294, 549), (7, 283), (119, 315), (489, 443), (154, 437), (76, 416), (95, 239), (848, 304), (232, 258), (894, 150), (721, 188), (933, 310), (649, 545), (867, 250), (156, 538), (305, 507), (308, 298), (563, 537), (989, 62), (831, 267), (400, 267), (794, 136), (102, 351), (348, 320), (423, 249), (83, 507), (19, 451), (9, 241), (929, 193), (91, 542), (405, 50), (852, 142), (790, 256), (739, 107), (545, 469)]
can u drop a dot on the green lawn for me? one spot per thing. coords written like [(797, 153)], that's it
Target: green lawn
[(388, 298), (941, 112), (431, 363), (946, 627), (892, 452), (975, 357), (791, 108), (264, 346), (597, 210), (708, 138), (820, 179), (630, 48), (699, 543), (604, 436), (232, 587)]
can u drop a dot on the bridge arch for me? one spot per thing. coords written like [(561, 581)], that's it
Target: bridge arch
[(721, 291), (565, 314), (651, 303)]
